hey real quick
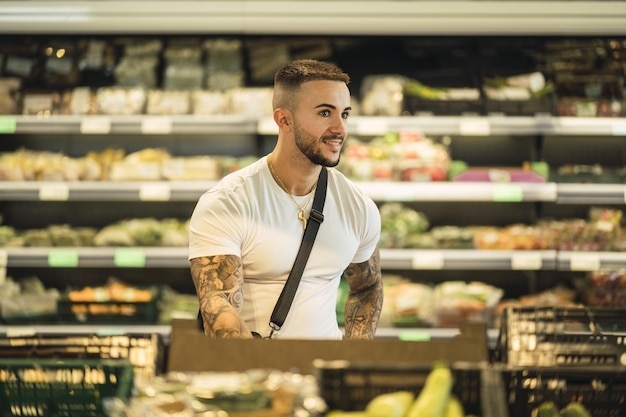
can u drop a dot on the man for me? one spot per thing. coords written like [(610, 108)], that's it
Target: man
[(246, 231)]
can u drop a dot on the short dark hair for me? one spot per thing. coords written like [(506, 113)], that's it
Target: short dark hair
[(294, 73)]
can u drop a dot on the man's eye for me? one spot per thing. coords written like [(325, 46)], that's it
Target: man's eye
[(325, 113), (345, 115)]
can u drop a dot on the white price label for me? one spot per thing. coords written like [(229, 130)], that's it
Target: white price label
[(54, 192), (20, 331), (475, 127), (156, 125), (584, 262), (526, 261), (370, 126), (428, 260), (95, 125), (155, 192), (618, 129)]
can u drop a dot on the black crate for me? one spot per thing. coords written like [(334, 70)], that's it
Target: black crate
[(349, 387), (62, 388), (602, 390), (417, 106), (145, 351), (546, 105), (562, 336)]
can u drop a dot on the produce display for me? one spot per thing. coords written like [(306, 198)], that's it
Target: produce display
[(115, 164), (403, 156), (435, 399), (405, 227), (127, 232)]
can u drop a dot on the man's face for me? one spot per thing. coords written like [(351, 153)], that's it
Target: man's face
[(320, 121)]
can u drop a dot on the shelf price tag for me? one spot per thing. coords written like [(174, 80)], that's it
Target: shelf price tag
[(370, 126), (8, 125), (54, 192), (526, 261), (156, 125), (474, 127), (427, 260), (584, 262), (155, 192), (414, 336), (129, 258), (63, 258), (20, 331), (95, 125), (618, 128), (503, 193)]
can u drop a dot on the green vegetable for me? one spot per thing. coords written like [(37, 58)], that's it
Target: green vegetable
[(575, 409), (393, 404), (339, 413), (454, 408), (433, 399), (547, 409)]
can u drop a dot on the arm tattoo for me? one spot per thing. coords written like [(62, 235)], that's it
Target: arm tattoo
[(219, 285), (365, 299)]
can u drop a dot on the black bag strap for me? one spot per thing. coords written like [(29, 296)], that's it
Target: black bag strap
[(316, 217)]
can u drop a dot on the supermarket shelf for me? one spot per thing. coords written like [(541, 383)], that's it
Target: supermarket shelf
[(459, 191), (281, 17), (358, 125), (103, 190), (590, 261), (391, 259), (165, 330), (26, 330), (191, 190), (67, 257), (467, 259), (591, 194), (132, 124)]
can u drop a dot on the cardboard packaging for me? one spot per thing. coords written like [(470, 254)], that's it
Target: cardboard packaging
[(192, 351)]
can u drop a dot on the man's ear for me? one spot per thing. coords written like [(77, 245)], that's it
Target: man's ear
[(282, 118)]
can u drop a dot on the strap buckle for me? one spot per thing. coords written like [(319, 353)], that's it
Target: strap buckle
[(317, 216)]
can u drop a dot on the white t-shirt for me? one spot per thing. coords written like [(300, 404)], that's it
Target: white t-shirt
[(247, 214)]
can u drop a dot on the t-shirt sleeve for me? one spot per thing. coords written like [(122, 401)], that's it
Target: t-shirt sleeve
[(371, 232), (215, 226)]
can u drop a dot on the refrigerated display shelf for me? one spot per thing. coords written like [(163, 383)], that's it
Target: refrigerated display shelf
[(467, 125), (391, 259), (378, 190), (287, 18)]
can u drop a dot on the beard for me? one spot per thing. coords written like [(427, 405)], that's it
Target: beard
[(308, 146)]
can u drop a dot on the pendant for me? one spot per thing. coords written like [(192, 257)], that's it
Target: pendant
[(302, 219)]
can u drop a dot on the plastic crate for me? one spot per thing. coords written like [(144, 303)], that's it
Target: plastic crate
[(146, 352), (55, 388), (349, 387), (602, 390), (562, 336)]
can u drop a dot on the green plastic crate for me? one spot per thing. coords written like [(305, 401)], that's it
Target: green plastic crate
[(55, 388)]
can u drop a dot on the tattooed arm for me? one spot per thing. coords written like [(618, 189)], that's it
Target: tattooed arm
[(219, 284), (365, 299)]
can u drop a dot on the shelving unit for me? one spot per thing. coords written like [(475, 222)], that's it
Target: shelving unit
[(285, 18)]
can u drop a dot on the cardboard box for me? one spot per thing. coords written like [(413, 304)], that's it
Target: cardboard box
[(192, 351)]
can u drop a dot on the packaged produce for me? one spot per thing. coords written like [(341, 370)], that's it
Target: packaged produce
[(121, 100), (457, 301)]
